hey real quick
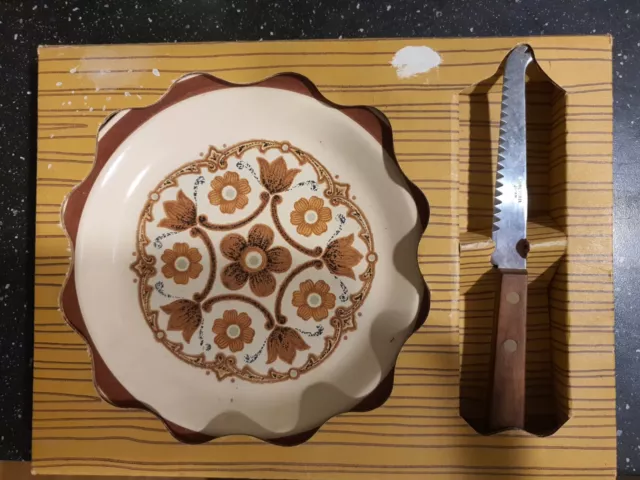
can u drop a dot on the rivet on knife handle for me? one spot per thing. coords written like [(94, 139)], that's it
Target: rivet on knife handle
[(507, 403)]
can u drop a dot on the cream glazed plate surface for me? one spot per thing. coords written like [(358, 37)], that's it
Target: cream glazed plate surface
[(245, 261)]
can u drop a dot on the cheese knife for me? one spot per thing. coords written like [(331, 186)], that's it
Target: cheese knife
[(507, 403)]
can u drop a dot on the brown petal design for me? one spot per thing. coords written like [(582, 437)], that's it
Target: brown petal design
[(279, 259), (316, 203), (320, 313), (232, 246), (215, 198), (222, 341), (296, 218), (275, 176), (168, 256), (243, 320), (185, 316), (324, 214), (181, 213), (265, 172), (181, 278), (273, 345), (296, 340), (236, 344), (322, 287), (340, 257), (231, 178), (306, 286), (288, 179), (194, 255), (301, 206), (262, 283), (230, 316), (181, 249), (217, 183), (278, 171), (319, 227), (284, 343), (304, 229), (329, 300), (298, 299), (219, 326), (194, 270), (242, 201), (260, 236), (244, 187), (305, 312), (168, 270), (248, 334), (228, 207), (233, 276)]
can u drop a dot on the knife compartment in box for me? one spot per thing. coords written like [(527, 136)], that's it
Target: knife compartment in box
[(547, 399)]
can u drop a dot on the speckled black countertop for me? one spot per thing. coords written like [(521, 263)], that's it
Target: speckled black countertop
[(25, 25)]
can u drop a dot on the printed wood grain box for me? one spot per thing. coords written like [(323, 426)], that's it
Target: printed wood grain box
[(445, 125)]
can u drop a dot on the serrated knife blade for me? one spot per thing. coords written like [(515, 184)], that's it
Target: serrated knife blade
[(511, 200), (511, 247)]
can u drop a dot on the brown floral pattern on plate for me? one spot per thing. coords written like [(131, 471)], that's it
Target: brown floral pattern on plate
[(318, 265), (185, 316), (253, 260), (229, 191), (284, 343), (109, 387), (313, 300), (275, 176), (181, 263), (233, 331), (310, 216)]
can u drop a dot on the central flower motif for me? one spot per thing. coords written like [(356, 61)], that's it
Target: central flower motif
[(181, 263), (233, 330), (253, 261), (229, 192)]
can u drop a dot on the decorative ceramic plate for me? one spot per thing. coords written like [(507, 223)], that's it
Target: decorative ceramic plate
[(245, 258)]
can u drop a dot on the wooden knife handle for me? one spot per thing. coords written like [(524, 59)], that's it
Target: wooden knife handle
[(508, 388)]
